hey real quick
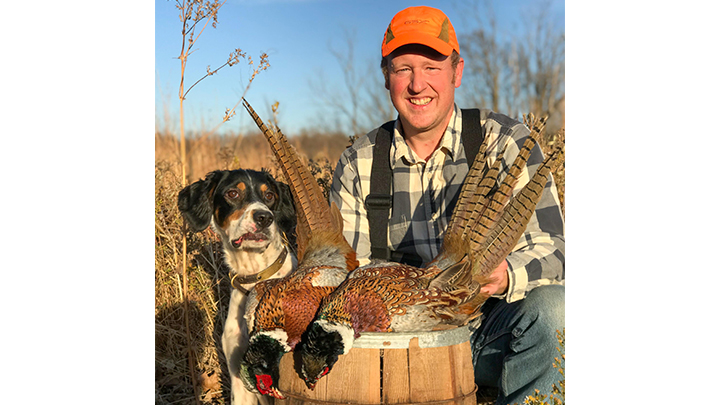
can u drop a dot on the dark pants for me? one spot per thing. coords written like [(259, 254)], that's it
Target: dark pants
[(515, 345)]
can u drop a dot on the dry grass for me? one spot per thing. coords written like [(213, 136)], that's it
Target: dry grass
[(172, 369), (229, 152), (208, 286)]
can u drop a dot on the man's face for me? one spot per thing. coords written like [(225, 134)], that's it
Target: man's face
[(422, 87)]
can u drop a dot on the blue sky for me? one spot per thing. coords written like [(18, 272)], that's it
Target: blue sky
[(297, 35)]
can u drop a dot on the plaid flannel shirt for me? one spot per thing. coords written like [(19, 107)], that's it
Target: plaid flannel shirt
[(425, 193)]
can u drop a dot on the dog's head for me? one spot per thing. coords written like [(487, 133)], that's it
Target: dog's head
[(246, 208)]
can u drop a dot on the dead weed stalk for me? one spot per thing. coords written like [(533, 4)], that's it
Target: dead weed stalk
[(195, 16)]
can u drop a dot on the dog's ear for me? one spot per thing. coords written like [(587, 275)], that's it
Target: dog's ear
[(195, 201), (285, 212)]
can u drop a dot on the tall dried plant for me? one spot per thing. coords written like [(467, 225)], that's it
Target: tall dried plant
[(195, 16)]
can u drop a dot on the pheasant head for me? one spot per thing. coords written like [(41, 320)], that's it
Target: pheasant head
[(260, 369), (324, 344)]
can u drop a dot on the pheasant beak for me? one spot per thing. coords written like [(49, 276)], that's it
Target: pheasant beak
[(275, 393), (265, 386)]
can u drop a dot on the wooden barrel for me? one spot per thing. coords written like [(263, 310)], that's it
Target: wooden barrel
[(391, 368)]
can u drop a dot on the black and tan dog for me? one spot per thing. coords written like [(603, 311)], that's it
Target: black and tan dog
[(251, 212)]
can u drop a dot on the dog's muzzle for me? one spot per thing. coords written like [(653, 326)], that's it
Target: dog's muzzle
[(263, 219)]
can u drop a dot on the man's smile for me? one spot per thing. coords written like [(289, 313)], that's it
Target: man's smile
[(420, 101)]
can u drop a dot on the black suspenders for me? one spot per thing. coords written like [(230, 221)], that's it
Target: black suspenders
[(379, 200)]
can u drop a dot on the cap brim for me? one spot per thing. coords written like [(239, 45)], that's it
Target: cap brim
[(427, 40)]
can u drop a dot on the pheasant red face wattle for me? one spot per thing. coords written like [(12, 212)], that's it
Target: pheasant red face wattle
[(265, 386)]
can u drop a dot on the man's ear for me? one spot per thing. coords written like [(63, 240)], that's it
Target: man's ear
[(459, 72)]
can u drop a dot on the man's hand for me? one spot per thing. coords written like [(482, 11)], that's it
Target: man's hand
[(498, 280)]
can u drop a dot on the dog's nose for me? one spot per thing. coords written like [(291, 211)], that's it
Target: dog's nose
[(262, 218)]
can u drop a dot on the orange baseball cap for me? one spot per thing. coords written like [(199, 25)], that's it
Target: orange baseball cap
[(420, 25)]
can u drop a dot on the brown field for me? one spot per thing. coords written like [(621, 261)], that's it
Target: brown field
[(208, 285)]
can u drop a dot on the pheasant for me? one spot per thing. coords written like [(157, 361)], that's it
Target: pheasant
[(281, 309), (394, 297)]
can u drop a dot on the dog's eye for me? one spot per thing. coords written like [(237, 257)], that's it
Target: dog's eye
[(232, 194), (269, 196)]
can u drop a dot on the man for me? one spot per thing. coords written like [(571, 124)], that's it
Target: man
[(514, 345)]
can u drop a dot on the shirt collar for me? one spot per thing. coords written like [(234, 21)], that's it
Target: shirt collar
[(450, 143)]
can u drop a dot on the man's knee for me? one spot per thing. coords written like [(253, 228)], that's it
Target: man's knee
[(544, 315), (549, 303)]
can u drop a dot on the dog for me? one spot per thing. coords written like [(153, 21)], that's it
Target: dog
[(252, 213)]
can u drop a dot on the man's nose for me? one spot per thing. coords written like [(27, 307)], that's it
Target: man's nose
[(418, 81)]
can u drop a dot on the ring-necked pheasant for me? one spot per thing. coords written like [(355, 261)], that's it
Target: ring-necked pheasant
[(393, 297), (281, 309)]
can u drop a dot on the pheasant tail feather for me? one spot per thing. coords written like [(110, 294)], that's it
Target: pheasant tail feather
[(513, 220), (473, 181), (311, 206), (486, 215)]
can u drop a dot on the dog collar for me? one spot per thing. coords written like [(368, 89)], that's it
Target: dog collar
[(237, 280)]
